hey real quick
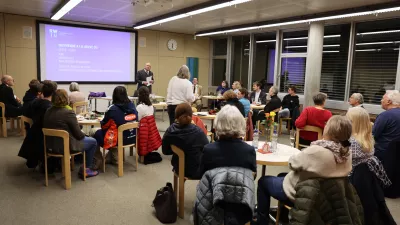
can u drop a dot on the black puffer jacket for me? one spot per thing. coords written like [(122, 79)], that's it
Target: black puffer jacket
[(326, 201)]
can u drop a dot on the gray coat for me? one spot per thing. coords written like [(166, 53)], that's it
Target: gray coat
[(225, 195)]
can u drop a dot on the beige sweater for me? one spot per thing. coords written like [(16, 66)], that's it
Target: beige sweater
[(313, 162)]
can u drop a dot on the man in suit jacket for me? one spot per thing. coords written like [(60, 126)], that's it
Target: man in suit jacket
[(197, 91), (12, 103), (141, 77), (258, 95)]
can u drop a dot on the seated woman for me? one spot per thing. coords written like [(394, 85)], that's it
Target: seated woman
[(236, 86), (120, 112), (313, 116), (229, 150), (231, 99), (242, 96), (61, 117), (76, 96), (327, 158), (362, 144), (220, 91), (188, 137), (144, 107)]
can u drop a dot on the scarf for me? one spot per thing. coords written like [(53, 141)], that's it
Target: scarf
[(66, 106), (340, 152)]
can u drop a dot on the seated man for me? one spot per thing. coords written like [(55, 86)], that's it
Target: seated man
[(12, 103), (273, 105), (198, 94), (258, 95), (289, 102), (35, 90), (387, 125), (356, 99)]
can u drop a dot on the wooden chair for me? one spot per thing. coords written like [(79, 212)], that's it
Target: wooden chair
[(181, 177), (66, 164), (3, 120), (24, 120), (278, 211), (307, 128), (288, 121), (121, 147), (80, 107)]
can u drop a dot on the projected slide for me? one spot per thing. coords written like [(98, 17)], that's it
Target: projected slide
[(87, 55)]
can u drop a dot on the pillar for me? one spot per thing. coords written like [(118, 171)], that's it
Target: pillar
[(314, 62)]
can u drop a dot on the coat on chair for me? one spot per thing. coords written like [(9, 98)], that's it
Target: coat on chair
[(149, 138)]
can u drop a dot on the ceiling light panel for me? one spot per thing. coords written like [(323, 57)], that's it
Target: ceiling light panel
[(65, 9)]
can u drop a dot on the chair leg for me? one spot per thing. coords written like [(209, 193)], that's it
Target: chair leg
[(131, 151), (72, 162), (280, 126), (181, 198), (4, 127), (19, 124), (67, 171), (137, 158), (104, 160), (12, 125), (45, 171), (84, 166), (288, 125), (120, 162), (278, 213)]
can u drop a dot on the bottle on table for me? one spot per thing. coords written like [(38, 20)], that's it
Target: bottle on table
[(255, 139), (274, 138)]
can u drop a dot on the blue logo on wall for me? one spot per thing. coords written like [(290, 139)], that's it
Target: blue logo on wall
[(53, 33)]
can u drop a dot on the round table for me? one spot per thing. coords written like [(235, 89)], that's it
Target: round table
[(279, 158)]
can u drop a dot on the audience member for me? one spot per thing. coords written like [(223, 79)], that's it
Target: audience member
[(12, 103), (76, 96), (313, 116), (224, 87), (327, 158), (387, 125), (289, 103), (231, 99), (242, 96), (362, 143), (121, 111), (356, 99), (197, 91), (32, 147), (273, 105), (258, 96), (188, 137), (236, 86), (144, 107), (180, 90), (61, 117), (229, 150), (35, 90)]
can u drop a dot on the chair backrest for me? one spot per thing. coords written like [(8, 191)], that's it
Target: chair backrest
[(181, 155), (124, 127), (57, 133), (3, 110), (307, 128), (80, 107), (27, 120)]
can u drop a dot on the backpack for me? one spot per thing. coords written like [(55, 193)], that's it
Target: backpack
[(165, 204)]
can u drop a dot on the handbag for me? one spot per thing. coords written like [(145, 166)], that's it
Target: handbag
[(165, 204)]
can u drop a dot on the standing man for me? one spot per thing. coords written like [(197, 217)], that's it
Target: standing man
[(12, 103), (197, 94), (145, 77)]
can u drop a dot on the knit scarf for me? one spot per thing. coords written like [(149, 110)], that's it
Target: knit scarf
[(66, 106), (336, 148)]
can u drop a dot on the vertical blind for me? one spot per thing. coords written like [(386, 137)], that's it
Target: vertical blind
[(293, 72)]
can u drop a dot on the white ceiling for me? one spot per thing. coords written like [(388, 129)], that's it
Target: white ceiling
[(124, 13)]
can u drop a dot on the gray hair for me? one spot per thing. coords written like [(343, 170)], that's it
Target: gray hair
[(275, 90), (230, 123), (183, 72), (5, 78), (359, 97), (394, 96), (74, 87)]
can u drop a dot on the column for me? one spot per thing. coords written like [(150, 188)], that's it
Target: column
[(314, 62)]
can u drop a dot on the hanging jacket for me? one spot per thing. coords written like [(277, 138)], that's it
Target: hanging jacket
[(148, 137), (198, 122), (225, 194), (326, 201), (249, 127)]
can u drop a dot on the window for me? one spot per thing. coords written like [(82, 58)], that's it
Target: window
[(240, 58), (376, 53), (219, 61), (334, 61), (264, 57), (295, 42)]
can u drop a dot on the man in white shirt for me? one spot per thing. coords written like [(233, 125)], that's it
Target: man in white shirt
[(197, 93), (258, 95)]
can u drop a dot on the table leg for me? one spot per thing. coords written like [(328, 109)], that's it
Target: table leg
[(109, 103), (162, 115), (263, 170)]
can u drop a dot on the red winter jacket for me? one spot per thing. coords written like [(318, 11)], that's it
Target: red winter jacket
[(148, 137)]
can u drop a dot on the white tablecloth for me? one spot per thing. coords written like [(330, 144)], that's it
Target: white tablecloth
[(280, 157)]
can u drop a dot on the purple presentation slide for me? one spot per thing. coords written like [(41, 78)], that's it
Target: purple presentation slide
[(83, 54)]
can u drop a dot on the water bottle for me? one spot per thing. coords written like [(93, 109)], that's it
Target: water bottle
[(255, 139), (274, 139)]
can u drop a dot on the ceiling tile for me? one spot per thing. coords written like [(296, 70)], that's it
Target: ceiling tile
[(86, 11)]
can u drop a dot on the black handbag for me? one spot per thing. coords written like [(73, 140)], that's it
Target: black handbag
[(165, 204)]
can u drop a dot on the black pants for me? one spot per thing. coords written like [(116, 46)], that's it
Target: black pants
[(171, 113)]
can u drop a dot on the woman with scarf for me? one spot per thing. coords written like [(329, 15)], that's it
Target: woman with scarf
[(61, 117), (327, 158)]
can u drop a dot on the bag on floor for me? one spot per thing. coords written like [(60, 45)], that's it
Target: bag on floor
[(165, 204), (152, 157)]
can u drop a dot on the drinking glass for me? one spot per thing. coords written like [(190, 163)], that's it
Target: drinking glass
[(292, 137)]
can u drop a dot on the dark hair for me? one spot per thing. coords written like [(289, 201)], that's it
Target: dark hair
[(33, 84), (144, 96), (293, 88), (257, 83), (319, 98), (120, 96), (244, 92), (48, 88), (226, 83), (60, 98), (183, 114), (35, 88)]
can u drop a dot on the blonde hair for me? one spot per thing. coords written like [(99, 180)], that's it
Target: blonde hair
[(237, 85), (338, 129), (183, 72), (361, 128)]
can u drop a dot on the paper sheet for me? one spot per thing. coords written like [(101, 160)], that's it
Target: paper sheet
[(148, 79)]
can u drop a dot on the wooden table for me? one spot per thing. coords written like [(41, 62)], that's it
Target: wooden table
[(279, 158), (259, 107), (212, 97), (206, 116), (162, 105), (94, 122)]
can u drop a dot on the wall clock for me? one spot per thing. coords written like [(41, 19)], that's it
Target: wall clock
[(172, 44)]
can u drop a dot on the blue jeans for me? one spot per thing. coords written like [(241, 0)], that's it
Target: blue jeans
[(268, 187), (89, 146)]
